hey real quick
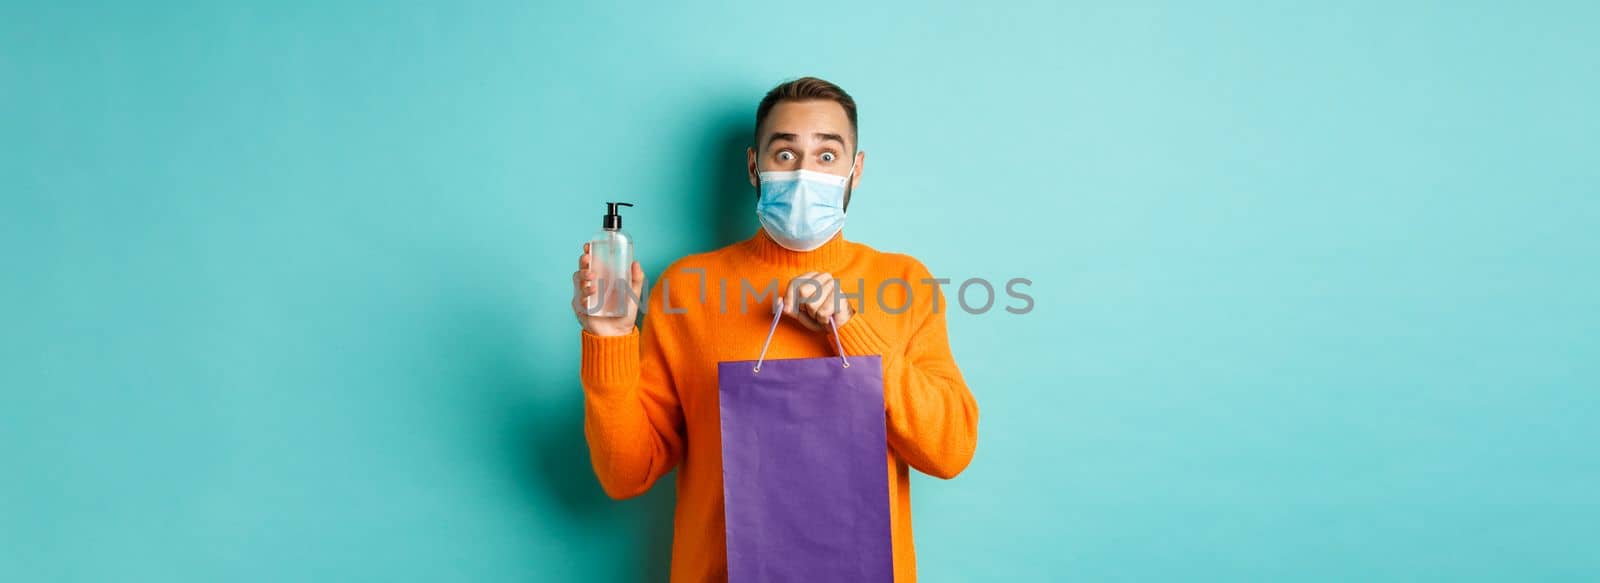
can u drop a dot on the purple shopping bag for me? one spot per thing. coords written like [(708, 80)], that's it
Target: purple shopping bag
[(804, 479)]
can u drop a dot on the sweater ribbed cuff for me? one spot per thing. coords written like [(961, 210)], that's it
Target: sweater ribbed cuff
[(861, 339), (610, 363)]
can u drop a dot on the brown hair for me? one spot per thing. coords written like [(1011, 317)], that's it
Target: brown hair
[(805, 89)]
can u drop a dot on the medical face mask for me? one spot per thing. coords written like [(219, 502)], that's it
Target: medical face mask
[(802, 209)]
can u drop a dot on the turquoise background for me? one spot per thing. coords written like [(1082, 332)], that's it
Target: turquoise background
[(285, 285)]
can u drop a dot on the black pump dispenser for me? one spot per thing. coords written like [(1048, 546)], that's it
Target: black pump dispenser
[(612, 220)]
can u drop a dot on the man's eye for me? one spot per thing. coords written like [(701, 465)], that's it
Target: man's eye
[(785, 155), (827, 156)]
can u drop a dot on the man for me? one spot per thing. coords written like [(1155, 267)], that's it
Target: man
[(650, 396)]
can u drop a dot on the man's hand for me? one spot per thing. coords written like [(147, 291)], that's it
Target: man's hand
[(584, 282), (811, 299)]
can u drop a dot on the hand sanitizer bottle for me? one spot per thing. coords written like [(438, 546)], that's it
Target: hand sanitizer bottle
[(611, 256)]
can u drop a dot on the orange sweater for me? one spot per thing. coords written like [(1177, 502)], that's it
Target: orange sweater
[(650, 398)]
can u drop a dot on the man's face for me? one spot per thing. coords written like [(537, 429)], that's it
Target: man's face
[(807, 135)]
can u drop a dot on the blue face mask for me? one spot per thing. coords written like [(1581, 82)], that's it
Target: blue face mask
[(802, 209)]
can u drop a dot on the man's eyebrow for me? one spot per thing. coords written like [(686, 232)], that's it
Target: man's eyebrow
[(825, 137), (780, 136)]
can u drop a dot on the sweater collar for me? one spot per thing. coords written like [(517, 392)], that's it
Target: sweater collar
[(828, 257)]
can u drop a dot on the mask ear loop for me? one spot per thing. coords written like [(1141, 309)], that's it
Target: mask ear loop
[(758, 176), (848, 189)]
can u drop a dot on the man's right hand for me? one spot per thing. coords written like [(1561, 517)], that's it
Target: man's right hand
[(584, 283)]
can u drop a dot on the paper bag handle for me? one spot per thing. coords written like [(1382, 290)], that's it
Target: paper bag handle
[(777, 314)]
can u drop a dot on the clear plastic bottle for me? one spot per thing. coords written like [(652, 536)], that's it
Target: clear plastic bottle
[(611, 256)]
